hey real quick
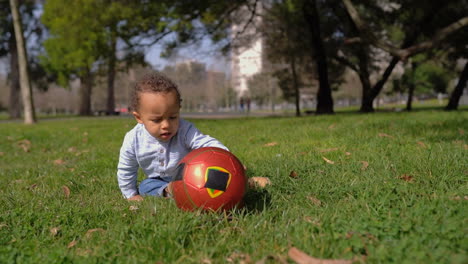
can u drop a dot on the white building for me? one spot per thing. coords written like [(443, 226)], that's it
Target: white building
[(247, 49)]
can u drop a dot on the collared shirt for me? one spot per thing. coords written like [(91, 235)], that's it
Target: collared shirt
[(156, 158)]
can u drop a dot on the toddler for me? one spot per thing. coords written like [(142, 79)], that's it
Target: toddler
[(159, 140)]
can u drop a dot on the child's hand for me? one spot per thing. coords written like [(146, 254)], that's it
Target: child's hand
[(136, 198)]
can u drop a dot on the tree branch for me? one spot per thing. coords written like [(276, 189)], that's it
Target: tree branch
[(346, 62), (436, 39), (402, 54)]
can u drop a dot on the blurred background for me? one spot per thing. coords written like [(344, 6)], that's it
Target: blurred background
[(296, 56)]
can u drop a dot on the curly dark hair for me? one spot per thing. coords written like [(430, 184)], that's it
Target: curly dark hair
[(155, 83)]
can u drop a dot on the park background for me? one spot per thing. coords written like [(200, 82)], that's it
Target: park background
[(383, 180), (279, 56)]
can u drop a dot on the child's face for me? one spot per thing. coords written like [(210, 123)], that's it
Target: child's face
[(159, 113)]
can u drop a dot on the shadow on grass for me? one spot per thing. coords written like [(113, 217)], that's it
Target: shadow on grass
[(257, 200)]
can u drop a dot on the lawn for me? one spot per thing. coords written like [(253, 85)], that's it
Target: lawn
[(376, 188)]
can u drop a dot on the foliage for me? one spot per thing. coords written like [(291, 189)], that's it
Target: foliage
[(76, 39), (427, 76), (34, 35), (30, 24), (190, 77), (394, 193), (400, 24), (289, 44), (262, 88)]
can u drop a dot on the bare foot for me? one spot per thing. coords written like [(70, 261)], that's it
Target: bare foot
[(168, 190), (136, 198)]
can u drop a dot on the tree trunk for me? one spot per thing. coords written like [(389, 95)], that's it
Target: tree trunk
[(86, 84), (409, 103), (410, 38), (368, 99), (14, 109), (297, 94), (25, 84), (411, 88), (111, 76), (458, 91), (364, 74), (324, 97)]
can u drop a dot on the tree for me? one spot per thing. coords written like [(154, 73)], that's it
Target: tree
[(324, 98), (85, 36), (25, 83), (8, 48), (417, 22), (426, 76), (458, 91), (191, 79), (74, 44), (285, 48), (260, 90)]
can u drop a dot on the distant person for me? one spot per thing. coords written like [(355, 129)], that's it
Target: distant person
[(248, 104), (159, 140), (241, 103)]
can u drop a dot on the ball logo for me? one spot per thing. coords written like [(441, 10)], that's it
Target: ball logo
[(217, 180)]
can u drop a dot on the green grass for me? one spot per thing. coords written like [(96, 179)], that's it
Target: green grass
[(408, 206)]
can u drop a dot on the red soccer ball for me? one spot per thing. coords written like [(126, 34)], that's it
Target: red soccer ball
[(209, 179)]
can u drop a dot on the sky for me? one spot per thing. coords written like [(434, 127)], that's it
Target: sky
[(205, 52)]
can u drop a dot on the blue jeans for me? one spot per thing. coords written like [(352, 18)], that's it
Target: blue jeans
[(152, 186)]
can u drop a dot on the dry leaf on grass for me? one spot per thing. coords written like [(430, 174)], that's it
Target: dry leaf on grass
[(421, 144), (83, 252), (328, 150), (365, 164), (66, 191), (293, 174), (328, 161), (91, 231), (25, 145), (2, 153), (302, 258), (312, 220), (71, 149), (32, 187), (458, 198), (259, 182), (385, 135), (347, 153), (133, 208), (206, 261), (240, 258), (332, 126), (271, 144), (72, 244), (461, 131), (54, 231), (314, 200), (406, 178), (59, 162)]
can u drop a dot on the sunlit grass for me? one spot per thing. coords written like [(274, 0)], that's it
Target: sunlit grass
[(396, 192)]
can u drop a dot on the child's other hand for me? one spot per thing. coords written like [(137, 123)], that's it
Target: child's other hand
[(136, 198)]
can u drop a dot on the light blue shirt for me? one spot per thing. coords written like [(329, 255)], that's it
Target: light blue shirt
[(156, 158)]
